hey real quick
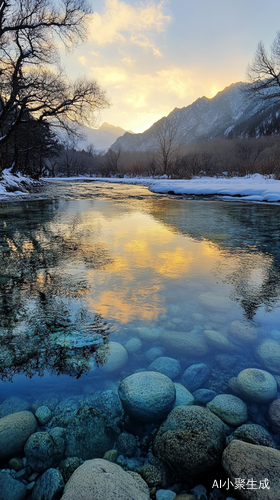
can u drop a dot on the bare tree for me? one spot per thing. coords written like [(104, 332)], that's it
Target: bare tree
[(30, 77), (264, 72), (165, 132)]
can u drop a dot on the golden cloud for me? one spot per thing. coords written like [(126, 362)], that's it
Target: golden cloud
[(121, 19)]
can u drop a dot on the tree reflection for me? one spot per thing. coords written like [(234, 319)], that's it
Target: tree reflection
[(42, 327)]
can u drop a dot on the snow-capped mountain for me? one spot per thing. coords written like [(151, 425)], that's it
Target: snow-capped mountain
[(101, 138), (202, 120)]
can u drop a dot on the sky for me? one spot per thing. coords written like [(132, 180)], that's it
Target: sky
[(154, 55)]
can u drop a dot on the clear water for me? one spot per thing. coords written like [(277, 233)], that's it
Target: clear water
[(84, 264)]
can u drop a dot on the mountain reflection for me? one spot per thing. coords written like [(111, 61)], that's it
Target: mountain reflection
[(248, 235)]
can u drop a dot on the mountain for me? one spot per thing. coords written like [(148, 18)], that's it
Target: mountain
[(205, 119), (101, 138)]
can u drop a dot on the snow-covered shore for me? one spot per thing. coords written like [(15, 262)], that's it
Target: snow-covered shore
[(254, 188)]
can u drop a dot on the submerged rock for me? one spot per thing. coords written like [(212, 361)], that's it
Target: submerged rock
[(102, 480), (274, 416), (126, 444), (89, 434), (154, 353), (269, 355), (43, 415), (147, 396), (253, 463), (217, 340), (13, 405), (185, 343), (133, 345), (167, 366), (183, 396), (190, 441), (231, 409), (213, 301), (45, 450), (68, 466), (10, 488), (254, 434), (114, 357), (242, 332), (204, 395), (15, 429), (48, 486), (195, 376), (256, 385)]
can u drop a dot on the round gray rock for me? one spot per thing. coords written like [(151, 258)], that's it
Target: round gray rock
[(183, 396), (191, 441), (102, 480), (15, 429), (114, 357), (256, 385), (43, 415), (10, 488), (147, 396), (269, 355), (167, 366), (195, 376), (231, 409)]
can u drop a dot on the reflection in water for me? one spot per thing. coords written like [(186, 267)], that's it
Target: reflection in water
[(71, 267)]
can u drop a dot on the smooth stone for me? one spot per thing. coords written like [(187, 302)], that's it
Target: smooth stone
[(43, 415), (269, 355), (204, 395), (16, 464), (231, 409), (10, 488), (45, 450), (200, 492), (107, 402), (247, 461), (167, 366), (183, 396), (15, 429), (165, 495), (149, 334), (233, 386), (89, 434), (13, 405), (257, 385), (277, 378), (126, 444), (195, 376), (254, 434), (185, 343), (189, 452), (217, 340), (133, 345), (114, 357), (213, 301), (274, 416), (154, 353), (147, 396), (102, 480), (48, 486), (243, 332)]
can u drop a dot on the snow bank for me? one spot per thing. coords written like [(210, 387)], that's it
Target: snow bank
[(14, 185), (255, 188)]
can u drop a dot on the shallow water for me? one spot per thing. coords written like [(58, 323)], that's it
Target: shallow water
[(84, 264)]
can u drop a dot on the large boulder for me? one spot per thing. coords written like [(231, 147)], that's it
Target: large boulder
[(256, 385), (185, 343), (147, 396), (269, 355), (190, 441), (15, 429), (102, 480), (231, 409), (253, 463)]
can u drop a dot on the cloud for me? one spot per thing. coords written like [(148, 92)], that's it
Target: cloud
[(122, 22)]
